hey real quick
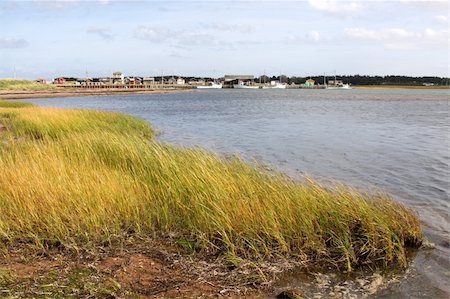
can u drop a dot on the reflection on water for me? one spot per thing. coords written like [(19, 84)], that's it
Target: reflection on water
[(392, 140)]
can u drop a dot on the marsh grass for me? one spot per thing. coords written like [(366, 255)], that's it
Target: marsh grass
[(80, 178), (14, 104), (12, 84)]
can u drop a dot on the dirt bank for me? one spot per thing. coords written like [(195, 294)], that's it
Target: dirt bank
[(57, 93), (146, 269)]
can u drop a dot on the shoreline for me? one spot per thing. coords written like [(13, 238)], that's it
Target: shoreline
[(30, 94), (441, 87), (178, 253)]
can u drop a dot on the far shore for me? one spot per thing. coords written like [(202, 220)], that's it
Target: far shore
[(400, 87), (57, 93)]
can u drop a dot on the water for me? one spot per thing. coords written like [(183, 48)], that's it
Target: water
[(392, 140)]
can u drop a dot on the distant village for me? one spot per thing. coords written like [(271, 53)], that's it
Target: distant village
[(120, 80)]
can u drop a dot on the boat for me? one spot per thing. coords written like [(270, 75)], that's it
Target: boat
[(276, 86), (212, 86), (343, 86), (241, 85)]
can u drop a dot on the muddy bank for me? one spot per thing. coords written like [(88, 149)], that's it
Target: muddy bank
[(145, 269), (57, 93)]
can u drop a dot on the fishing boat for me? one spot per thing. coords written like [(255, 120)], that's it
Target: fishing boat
[(212, 86), (337, 85), (343, 86), (277, 85), (241, 85)]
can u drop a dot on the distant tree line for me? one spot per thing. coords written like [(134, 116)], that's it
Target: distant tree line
[(372, 80), (353, 79)]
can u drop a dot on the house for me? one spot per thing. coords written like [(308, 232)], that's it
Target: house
[(42, 81), (197, 82), (309, 83), (148, 80), (59, 80), (229, 80), (181, 81), (118, 78), (336, 82)]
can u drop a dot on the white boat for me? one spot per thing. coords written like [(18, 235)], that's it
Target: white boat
[(343, 86), (276, 86), (212, 86), (241, 85)]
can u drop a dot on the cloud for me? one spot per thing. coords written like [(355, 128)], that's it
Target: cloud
[(58, 5), (241, 28), (104, 33), (335, 7), (180, 39), (312, 36), (441, 19), (7, 7), (399, 38), (378, 35), (12, 43), (155, 34)]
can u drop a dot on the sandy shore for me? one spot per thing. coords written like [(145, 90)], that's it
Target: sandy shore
[(57, 93)]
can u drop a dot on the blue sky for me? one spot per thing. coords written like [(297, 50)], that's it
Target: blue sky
[(202, 38)]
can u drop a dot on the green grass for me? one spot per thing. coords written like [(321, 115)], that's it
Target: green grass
[(11, 84), (11, 104), (79, 178)]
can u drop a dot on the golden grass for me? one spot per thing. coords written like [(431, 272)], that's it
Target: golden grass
[(82, 178), (12, 84)]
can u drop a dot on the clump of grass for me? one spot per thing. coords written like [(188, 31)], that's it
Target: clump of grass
[(14, 104), (12, 84), (83, 178), (52, 123)]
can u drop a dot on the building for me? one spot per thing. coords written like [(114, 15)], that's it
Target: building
[(118, 78), (42, 81), (309, 83), (197, 82), (229, 80), (181, 81), (59, 80), (335, 82), (148, 80)]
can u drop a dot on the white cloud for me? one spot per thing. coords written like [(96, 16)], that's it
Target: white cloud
[(242, 28), (335, 7), (312, 36), (104, 33), (12, 43), (441, 19), (58, 5), (399, 38), (181, 39), (155, 34), (378, 35)]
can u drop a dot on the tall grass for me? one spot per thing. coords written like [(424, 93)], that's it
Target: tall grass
[(12, 84), (81, 178), (14, 104)]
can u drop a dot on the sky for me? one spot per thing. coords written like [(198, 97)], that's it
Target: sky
[(47, 39)]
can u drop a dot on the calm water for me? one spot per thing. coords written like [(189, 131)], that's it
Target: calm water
[(392, 140)]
